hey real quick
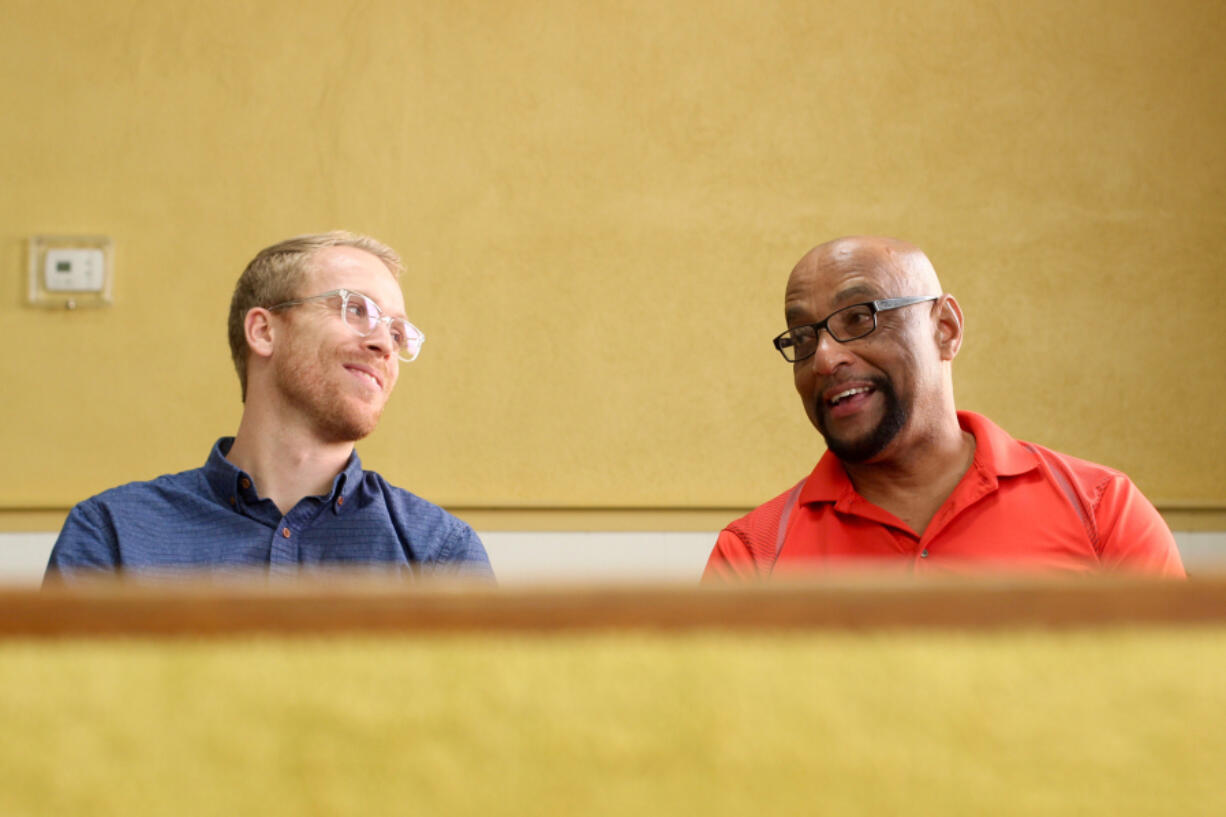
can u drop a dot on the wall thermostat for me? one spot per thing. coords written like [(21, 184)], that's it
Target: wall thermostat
[(68, 272)]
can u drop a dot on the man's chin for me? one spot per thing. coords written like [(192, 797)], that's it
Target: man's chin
[(347, 429), (862, 447), (843, 440), (854, 451)]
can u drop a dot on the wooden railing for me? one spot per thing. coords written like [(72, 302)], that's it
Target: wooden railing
[(349, 604)]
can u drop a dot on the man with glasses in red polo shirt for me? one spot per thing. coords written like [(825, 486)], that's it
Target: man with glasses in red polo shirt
[(317, 332), (907, 481)]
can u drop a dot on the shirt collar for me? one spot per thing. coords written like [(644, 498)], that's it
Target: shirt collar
[(223, 476), (996, 455), (230, 483), (345, 486), (996, 452)]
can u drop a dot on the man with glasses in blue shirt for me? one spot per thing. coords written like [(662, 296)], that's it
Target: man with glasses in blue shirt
[(317, 332), (908, 482)]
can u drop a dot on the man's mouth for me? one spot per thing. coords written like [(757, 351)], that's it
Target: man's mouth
[(847, 400), (847, 394), (367, 375)]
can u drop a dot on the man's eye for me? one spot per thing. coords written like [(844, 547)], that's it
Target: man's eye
[(858, 318), (358, 309)]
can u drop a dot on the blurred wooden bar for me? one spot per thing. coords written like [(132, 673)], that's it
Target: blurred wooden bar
[(369, 605)]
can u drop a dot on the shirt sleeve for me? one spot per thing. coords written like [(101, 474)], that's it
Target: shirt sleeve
[(86, 542), (1133, 536), (465, 554), (731, 560)]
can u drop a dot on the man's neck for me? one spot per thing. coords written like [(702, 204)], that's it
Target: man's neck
[(287, 463), (913, 483)]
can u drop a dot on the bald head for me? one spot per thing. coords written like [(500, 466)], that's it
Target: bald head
[(889, 383), (896, 267)]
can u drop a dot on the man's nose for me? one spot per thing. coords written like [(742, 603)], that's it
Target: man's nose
[(380, 339), (830, 354)]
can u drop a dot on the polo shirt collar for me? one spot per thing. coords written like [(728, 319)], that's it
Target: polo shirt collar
[(996, 452), (828, 482), (227, 480), (996, 455)]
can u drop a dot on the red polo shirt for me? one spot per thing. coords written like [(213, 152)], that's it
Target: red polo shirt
[(1019, 507)]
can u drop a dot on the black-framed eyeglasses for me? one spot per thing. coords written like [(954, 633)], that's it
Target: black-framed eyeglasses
[(846, 324), (361, 314)]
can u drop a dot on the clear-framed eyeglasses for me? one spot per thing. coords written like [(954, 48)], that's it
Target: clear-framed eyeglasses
[(846, 324), (361, 314)]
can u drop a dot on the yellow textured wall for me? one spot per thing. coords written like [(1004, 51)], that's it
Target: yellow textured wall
[(598, 204)]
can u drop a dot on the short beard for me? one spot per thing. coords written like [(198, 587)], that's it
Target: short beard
[(333, 424), (873, 443), (336, 427)]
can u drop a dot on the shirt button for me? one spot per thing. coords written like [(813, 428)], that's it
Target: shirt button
[(233, 501), (285, 532), (924, 553), (246, 483), (340, 500)]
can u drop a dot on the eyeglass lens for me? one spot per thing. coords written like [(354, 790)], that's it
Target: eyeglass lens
[(363, 316), (847, 324)]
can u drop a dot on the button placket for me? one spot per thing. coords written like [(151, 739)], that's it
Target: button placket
[(284, 543)]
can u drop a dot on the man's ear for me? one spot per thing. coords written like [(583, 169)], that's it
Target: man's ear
[(260, 331), (949, 327)]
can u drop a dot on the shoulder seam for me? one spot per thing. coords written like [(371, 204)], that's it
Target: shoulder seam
[(1054, 466)]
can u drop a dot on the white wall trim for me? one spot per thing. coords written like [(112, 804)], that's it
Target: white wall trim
[(521, 557)]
